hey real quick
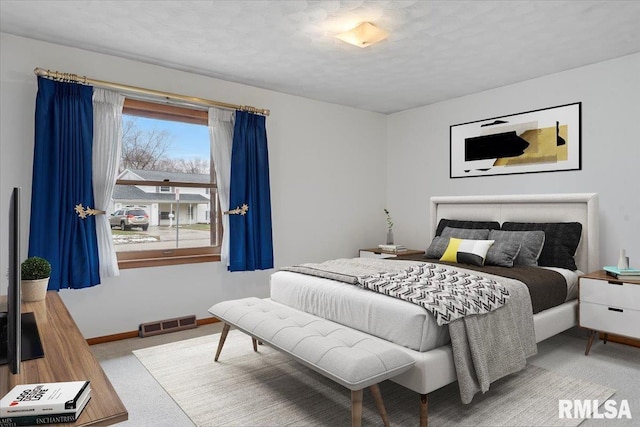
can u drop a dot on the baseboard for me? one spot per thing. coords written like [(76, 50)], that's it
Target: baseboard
[(114, 337), (134, 334)]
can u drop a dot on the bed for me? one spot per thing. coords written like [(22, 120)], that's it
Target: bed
[(410, 326)]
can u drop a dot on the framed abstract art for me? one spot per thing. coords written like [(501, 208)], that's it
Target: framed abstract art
[(544, 140)]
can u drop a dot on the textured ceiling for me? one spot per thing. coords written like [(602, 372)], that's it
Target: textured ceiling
[(436, 50)]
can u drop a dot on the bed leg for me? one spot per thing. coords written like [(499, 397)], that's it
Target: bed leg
[(255, 344), (423, 410), (377, 397), (356, 408), (223, 337)]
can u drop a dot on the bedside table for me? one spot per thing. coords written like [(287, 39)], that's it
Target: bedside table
[(609, 305), (379, 253)]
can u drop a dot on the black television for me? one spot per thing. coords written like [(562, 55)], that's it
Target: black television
[(19, 337)]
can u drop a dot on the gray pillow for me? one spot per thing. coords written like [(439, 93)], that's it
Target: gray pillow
[(439, 243), (502, 253), (489, 225), (437, 247), (531, 243), (561, 241), (465, 233)]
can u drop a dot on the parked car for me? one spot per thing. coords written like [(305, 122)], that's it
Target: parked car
[(130, 217)]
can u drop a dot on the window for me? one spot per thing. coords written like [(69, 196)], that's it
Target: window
[(165, 205)]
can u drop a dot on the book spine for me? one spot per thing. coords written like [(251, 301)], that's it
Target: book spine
[(389, 248), (623, 276), (34, 420), (45, 408), (73, 404), (37, 411)]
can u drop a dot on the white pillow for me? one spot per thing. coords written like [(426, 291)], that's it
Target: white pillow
[(467, 251)]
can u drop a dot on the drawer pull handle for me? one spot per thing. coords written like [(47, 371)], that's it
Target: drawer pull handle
[(614, 283), (619, 310)]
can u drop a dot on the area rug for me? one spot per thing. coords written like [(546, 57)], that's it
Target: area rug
[(268, 388)]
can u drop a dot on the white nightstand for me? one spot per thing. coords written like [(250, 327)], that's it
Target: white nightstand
[(378, 253), (609, 305)]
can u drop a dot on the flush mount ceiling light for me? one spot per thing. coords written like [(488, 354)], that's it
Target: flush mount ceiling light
[(363, 35)]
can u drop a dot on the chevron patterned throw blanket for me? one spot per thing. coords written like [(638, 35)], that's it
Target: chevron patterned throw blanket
[(445, 293)]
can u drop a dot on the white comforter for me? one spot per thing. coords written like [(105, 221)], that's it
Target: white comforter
[(394, 320)]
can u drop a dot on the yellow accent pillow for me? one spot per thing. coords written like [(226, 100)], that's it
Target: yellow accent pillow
[(466, 251)]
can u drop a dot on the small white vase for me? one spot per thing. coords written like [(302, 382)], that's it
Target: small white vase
[(623, 261), (389, 237), (34, 290)]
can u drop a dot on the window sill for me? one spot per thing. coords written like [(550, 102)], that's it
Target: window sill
[(169, 260)]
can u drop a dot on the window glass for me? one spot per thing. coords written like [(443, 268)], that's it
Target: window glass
[(165, 198)]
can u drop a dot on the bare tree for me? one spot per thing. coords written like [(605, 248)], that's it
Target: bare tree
[(195, 165), (147, 149), (143, 149)]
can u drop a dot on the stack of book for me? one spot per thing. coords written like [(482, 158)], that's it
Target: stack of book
[(392, 248), (45, 403), (626, 274)]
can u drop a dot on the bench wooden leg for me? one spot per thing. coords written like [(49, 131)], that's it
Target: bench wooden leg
[(223, 337), (356, 408), (423, 410), (377, 396)]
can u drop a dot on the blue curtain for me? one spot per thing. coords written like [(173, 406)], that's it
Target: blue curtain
[(61, 180), (250, 239)]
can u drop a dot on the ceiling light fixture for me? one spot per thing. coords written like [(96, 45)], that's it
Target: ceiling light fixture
[(363, 35)]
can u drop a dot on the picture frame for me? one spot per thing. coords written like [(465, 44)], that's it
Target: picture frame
[(543, 140)]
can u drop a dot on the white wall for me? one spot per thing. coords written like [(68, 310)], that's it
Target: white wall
[(327, 184), (328, 180), (418, 152)]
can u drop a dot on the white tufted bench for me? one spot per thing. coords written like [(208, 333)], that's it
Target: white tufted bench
[(351, 358)]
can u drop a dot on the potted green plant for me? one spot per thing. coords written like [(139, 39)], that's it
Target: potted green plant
[(35, 273)]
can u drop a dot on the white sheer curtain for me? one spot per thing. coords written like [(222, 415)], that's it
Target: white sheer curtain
[(221, 122), (107, 143)]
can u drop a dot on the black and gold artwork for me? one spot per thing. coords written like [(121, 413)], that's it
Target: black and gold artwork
[(536, 141)]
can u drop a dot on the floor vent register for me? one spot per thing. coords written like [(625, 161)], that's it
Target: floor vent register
[(165, 326)]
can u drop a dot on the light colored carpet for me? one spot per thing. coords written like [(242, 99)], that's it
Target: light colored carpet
[(269, 389)]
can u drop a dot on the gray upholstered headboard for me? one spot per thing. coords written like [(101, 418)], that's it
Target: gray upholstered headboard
[(578, 207)]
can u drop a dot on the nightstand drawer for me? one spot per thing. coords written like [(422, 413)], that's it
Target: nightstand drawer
[(612, 319), (624, 295)]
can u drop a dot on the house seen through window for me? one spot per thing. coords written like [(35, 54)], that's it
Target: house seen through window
[(164, 205)]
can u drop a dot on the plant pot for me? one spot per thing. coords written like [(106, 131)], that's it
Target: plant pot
[(34, 290)]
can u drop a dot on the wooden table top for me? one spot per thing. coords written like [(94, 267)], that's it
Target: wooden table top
[(67, 358)]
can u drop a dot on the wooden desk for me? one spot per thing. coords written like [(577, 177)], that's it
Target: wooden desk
[(67, 358)]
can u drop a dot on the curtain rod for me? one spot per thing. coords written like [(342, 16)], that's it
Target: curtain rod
[(138, 90)]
